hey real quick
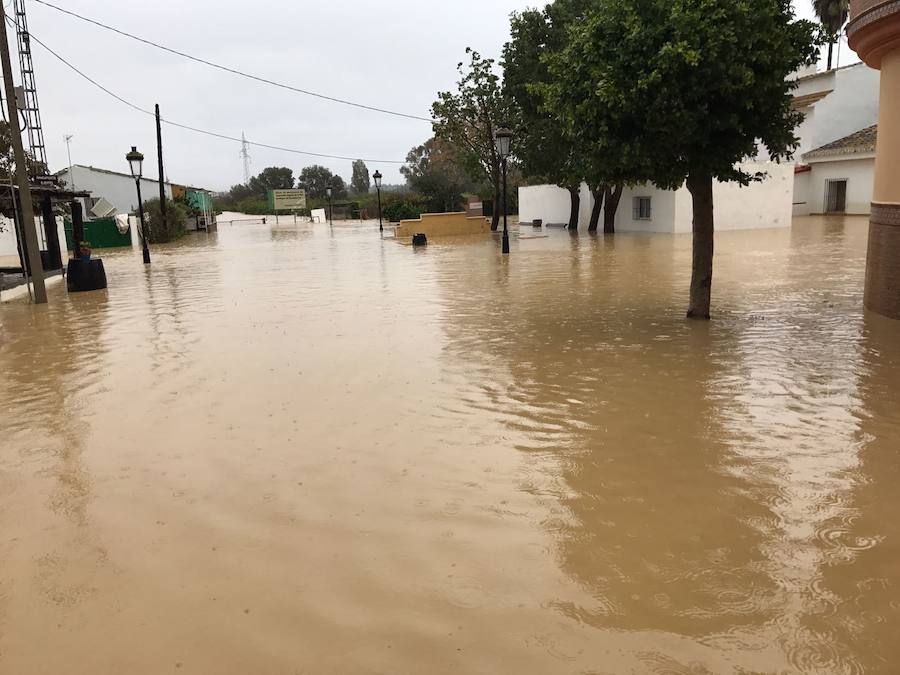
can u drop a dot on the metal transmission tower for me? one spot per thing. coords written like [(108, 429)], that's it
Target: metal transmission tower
[(245, 155), (30, 109)]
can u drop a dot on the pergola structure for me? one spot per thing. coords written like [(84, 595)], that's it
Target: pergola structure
[(46, 198)]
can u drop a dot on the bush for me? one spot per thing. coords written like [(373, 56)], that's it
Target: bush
[(254, 206), (397, 207), (176, 219)]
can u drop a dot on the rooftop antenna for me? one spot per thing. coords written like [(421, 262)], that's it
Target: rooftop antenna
[(245, 155), (30, 109), (68, 139)]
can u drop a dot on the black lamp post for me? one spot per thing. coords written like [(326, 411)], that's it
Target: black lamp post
[(328, 191), (503, 140), (377, 176), (136, 164)]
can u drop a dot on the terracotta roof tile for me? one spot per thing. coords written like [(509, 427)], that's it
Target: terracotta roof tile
[(863, 141)]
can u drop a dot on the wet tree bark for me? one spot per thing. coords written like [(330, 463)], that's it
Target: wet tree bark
[(597, 193), (613, 197), (576, 208), (701, 187)]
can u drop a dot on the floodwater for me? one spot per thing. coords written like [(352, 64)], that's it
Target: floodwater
[(291, 449)]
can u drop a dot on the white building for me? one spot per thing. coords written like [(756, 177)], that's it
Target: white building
[(834, 174), (648, 208), (839, 176), (837, 105), (116, 188)]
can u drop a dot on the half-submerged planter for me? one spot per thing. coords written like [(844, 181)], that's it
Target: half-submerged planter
[(85, 275)]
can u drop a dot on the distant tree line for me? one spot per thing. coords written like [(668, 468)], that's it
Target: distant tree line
[(252, 198)]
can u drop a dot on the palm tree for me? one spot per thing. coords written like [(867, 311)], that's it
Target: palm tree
[(832, 15)]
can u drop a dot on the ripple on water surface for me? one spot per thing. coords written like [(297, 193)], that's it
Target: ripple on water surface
[(442, 460)]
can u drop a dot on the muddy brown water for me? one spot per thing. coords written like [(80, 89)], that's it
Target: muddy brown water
[(287, 449)]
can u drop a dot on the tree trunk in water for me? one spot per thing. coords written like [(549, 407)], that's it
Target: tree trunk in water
[(701, 187), (597, 193), (495, 219), (613, 196), (830, 54), (576, 208)]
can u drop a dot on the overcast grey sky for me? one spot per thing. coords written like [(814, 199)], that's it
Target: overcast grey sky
[(392, 54)]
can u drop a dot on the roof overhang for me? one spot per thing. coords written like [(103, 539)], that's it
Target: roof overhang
[(838, 157), (807, 100)]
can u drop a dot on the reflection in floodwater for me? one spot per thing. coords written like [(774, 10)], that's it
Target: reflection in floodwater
[(299, 448)]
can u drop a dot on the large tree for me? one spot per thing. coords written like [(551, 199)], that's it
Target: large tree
[(833, 14), (316, 179), (8, 169), (272, 178), (360, 182), (683, 91), (468, 118), (545, 150), (433, 171)]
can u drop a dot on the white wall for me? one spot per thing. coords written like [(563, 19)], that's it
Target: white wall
[(118, 190), (550, 203), (802, 206), (9, 254), (765, 204), (662, 207), (806, 132), (860, 175), (762, 205), (851, 106), (585, 207)]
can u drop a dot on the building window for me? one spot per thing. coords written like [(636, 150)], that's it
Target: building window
[(643, 209)]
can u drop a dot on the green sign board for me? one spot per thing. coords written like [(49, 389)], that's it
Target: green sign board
[(287, 200)]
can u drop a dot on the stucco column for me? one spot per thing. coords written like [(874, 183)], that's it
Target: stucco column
[(874, 33)]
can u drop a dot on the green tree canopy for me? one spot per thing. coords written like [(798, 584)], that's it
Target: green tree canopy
[(317, 178), (8, 168), (272, 178), (433, 171), (545, 149), (683, 91), (833, 14), (468, 118), (360, 181)]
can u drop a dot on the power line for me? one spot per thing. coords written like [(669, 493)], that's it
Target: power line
[(233, 71), (197, 129)]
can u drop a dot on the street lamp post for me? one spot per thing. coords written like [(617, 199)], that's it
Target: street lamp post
[(377, 176), (503, 140), (328, 191), (136, 164)]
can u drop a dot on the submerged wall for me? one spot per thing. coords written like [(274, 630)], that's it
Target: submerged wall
[(443, 225), (860, 176), (9, 253), (764, 204)]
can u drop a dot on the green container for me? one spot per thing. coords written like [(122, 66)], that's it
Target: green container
[(100, 233)]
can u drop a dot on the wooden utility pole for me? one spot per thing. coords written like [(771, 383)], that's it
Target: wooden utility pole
[(162, 180), (15, 133)]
